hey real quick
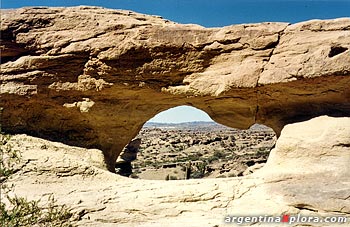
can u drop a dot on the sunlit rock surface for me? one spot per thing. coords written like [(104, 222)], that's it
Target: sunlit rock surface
[(307, 174), (91, 77)]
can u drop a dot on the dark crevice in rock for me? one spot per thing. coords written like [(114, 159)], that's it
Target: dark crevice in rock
[(12, 51), (229, 41), (302, 206), (257, 90), (272, 45), (309, 28), (336, 50), (14, 57), (342, 145), (339, 212)]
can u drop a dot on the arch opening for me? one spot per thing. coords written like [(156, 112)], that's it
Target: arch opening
[(185, 143)]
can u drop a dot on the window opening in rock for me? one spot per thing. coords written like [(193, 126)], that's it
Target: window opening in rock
[(176, 149)]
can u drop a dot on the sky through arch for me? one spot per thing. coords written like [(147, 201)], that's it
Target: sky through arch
[(181, 114)]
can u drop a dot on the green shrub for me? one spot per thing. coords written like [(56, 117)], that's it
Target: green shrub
[(197, 175), (219, 154), (9, 158), (148, 163), (173, 178), (263, 151), (25, 212), (22, 212), (212, 159)]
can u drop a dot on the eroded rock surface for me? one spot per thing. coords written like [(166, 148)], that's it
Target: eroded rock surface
[(91, 77), (307, 174), (129, 154)]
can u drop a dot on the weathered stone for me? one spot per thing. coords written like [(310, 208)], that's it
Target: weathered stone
[(311, 165), (307, 174), (91, 77), (129, 153)]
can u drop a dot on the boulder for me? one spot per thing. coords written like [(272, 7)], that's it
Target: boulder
[(308, 171)]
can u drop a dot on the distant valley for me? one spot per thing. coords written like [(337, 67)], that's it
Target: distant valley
[(174, 151)]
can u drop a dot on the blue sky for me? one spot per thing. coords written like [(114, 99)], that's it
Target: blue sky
[(181, 114), (210, 13)]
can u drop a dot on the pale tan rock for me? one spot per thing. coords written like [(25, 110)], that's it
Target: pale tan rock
[(316, 148), (307, 172), (313, 54), (298, 179), (132, 66)]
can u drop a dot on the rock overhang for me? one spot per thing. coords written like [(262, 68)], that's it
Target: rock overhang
[(91, 77)]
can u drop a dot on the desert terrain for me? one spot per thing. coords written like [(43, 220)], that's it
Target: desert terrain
[(200, 150)]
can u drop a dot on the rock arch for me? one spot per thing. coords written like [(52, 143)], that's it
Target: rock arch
[(91, 77)]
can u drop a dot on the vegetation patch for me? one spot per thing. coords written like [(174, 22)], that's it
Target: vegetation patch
[(18, 211)]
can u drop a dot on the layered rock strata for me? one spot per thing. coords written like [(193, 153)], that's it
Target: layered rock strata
[(91, 77)]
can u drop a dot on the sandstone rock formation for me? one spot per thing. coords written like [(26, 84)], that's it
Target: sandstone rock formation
[(307, 174), (91, 77), (128, 155)]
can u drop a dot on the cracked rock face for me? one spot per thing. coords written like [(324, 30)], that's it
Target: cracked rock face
[(91, 77), (308, 173)]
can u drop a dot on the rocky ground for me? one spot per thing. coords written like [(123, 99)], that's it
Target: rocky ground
[(307, 173), (200, 150)]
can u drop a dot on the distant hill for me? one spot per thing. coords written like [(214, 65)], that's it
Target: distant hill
[(184, 125), (199, 125)]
